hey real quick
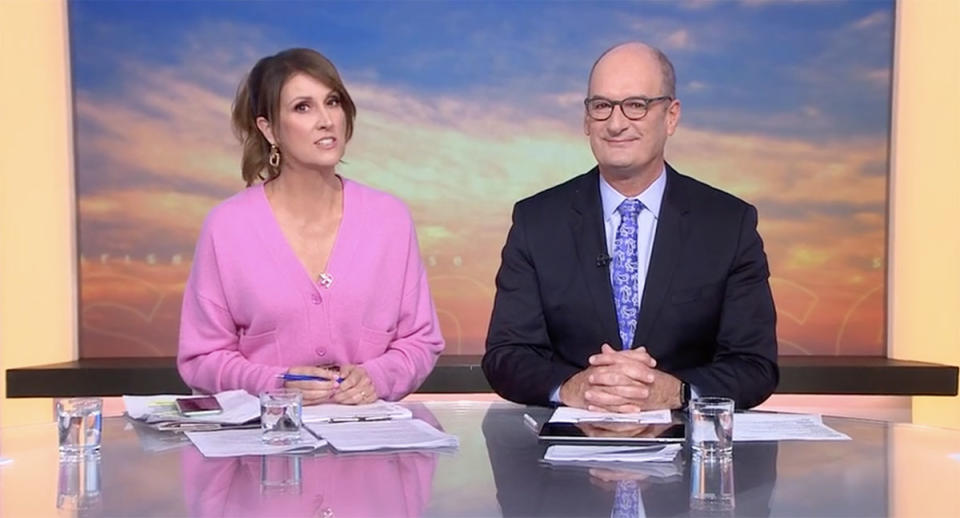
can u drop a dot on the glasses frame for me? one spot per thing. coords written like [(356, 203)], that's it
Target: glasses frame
[(614, 104)]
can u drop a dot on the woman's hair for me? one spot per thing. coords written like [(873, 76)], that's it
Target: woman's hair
[(259, 96)]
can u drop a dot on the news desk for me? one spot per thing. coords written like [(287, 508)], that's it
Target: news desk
[(887, 469)]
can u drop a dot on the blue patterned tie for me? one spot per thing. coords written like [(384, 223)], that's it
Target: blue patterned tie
[(626, 502), (625, 271)]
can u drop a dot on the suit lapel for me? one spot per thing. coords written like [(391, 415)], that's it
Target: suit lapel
[(671, 233), (588, 236)]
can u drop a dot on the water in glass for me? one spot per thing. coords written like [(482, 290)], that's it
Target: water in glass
[(280, 416), (79, 422), (711, 420)]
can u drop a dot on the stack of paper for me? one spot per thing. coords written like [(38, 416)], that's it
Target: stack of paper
[(332, 413), (392, 434), (239, 407), (156, 441), (660, 472), (656, 453), (567, 414), (236, 443), (783, 427)]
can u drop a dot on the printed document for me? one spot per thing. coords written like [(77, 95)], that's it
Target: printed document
[(333, 413), (376, 435), (236, 443), (783, 427), (654, 453)]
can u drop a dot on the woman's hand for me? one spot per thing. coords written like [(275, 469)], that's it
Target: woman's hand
[(357, 387), (314, 392)]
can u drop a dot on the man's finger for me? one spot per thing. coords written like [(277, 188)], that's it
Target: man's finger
[(630, 373), (636, 393), (603, 398), (632, 356)]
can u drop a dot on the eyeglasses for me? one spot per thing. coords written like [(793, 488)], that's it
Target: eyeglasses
[(633, 108)]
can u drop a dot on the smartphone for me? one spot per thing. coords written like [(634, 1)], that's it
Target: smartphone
[(198, 406)]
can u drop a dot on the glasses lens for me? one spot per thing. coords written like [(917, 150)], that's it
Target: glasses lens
[(634, 108), (599, 108)]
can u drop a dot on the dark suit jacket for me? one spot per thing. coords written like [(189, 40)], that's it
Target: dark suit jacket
[(706, 313)]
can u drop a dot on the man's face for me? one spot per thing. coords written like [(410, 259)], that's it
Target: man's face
[(623, 146)]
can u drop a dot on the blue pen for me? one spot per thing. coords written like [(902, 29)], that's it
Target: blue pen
[(305, 377)]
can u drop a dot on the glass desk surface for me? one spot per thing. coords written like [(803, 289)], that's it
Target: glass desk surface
[(887, 469)]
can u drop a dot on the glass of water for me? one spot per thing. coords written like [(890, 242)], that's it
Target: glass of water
[(280, 474), (711, 422), (281, 412), (711, 486), (79, 423), (78, 484)]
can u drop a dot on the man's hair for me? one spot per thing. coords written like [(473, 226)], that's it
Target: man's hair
[(668, 74)]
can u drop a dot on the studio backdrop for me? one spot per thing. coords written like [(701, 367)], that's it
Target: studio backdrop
[(465, 108)]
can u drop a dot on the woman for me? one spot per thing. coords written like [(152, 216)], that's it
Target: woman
[(306, 268)]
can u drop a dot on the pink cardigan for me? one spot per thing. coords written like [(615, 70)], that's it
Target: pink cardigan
[(251, 311)]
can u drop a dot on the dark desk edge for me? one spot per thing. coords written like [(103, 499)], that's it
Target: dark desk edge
[(862, 375)]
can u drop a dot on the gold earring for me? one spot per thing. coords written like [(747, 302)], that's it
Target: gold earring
[(274, 159)]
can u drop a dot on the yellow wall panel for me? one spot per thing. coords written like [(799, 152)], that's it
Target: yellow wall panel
[(37, 253), (924, 289)]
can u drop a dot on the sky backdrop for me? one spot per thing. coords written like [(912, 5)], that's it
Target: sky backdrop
[(465, 108)]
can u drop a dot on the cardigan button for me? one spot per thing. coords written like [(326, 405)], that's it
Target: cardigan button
[(321, 351), (316, 299)]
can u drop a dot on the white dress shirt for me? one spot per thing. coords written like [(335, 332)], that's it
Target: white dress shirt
[(647, 218)]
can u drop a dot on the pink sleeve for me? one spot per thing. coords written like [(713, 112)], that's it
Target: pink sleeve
[(208, 357), (417, 343)]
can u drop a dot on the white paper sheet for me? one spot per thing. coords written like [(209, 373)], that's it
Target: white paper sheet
[(156, 441), (783, 427), (656, 453), (376, 435), (236, 443), (238, 407), (567, 414), (651, 471), (376, 411)]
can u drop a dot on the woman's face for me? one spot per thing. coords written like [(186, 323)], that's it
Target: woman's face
[(311, 127)]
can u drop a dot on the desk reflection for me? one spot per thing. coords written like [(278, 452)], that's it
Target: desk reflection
[(527, 487), (327, 485)]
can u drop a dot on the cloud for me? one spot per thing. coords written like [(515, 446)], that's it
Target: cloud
[(875, 19), (764, 3), (567, 99), (697, 4), (853, 56), (696, 86), (672, 35), (876, 77), (678, 40)]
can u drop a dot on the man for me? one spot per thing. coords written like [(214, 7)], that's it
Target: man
[(632, 286)]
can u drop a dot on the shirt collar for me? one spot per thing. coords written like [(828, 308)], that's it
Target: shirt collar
[(651, 197)]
